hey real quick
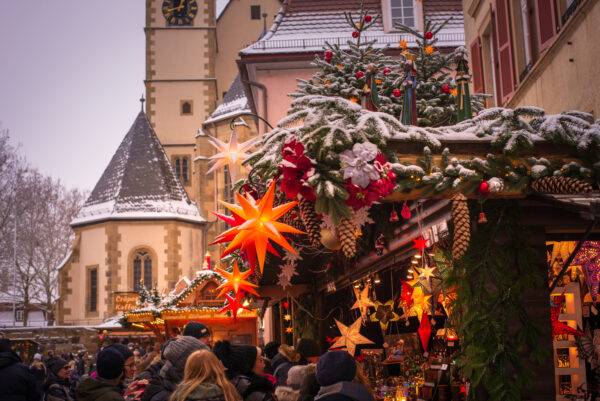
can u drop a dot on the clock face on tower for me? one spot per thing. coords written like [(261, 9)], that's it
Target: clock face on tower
[(179, 12)]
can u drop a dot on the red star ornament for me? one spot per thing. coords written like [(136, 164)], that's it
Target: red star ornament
[(236, 281), (420, 244), (233, 304), (406, 294)]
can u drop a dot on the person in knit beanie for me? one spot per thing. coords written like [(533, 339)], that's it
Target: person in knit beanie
[(58, 386), (107, 385), (175, 356), (129, 358), (200, 332), (336, 371), (245, 369)]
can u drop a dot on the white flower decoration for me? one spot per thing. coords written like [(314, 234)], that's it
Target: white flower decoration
[(355, 164)]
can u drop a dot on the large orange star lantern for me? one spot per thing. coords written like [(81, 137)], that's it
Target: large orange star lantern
[(255, 225), (236, 281)]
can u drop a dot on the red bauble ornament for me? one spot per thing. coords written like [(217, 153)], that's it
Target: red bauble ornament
[(368, 18), (394, 217), (428, 35), (484, 188), (328, 55), (397, 92), (482, 218), (446, 88), (285, 304), (359, 74), (387, 70), (355, 34), (405, 212)]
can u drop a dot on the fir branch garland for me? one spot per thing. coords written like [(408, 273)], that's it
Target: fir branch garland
[(496, 333)]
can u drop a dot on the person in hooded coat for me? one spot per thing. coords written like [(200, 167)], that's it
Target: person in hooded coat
[(106, 386), (58, 384), (245, 369), (336, 371), (282, 362), (39, 371), (16, 381), (175, 355), (270, 350)]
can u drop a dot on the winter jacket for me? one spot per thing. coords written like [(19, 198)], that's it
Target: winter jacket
[(254, 387), (344, 391), (39, 373), (281, 366), (57, 389), (206, 392), (16, 381), (161, 386), (98, 390)]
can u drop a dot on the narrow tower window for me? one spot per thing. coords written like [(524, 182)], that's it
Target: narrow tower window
[(186, 108), (255, 12)]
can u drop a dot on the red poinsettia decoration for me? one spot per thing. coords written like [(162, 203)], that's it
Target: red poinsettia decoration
[(295, 169), (360, 197)]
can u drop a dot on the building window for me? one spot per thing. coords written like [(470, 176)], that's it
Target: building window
[(187, 108), (402, 12), (19, 315), (181, 167), (142, 270), (254, 12), (92, 289)]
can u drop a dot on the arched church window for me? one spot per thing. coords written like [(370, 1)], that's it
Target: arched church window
[(186, 108), (142, 270)]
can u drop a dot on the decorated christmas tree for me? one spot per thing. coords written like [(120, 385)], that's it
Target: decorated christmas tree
[(429, 87), (362, 73)]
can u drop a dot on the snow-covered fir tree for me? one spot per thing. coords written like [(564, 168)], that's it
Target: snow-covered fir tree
[(361, 73)]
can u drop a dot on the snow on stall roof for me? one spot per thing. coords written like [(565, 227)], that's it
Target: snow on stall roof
[(138, 183), (307, 28)]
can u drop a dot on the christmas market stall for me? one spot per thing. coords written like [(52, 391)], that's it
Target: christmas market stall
[(194, 300), (430, 231)]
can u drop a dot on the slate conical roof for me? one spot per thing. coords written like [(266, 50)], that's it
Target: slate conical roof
[(138, 183)]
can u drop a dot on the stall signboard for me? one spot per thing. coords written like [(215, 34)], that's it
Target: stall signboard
[(125, 301)]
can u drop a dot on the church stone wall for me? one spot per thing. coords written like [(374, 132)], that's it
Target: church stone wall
[(176, 248)]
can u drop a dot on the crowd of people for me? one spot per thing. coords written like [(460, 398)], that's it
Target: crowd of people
[(187, 368)]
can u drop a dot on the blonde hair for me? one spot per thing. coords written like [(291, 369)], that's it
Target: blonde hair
[(204, 367)]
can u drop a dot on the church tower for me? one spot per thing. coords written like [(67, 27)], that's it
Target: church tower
[(180, 80)]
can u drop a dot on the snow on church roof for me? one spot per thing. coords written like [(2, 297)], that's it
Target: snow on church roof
[(305, 25), (138, 183)]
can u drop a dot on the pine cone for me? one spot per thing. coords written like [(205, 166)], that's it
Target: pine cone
[(462, 226), (311, 222), (346, 232), (293, 218), (560, 185)]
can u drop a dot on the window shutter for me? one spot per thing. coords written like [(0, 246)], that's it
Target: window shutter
[(505, 55), (477, 64), (546, 25)]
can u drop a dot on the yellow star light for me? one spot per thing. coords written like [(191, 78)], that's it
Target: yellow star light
[(384, 314), (403, 44), (230, 154), (350, 337), (421, 303), (235, 281), (362, 301), (429, 49), (258, 226), (287, 318), (427, 273), (289, 330)]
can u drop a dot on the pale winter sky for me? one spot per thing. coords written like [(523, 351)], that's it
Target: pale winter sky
[(71, 74)]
